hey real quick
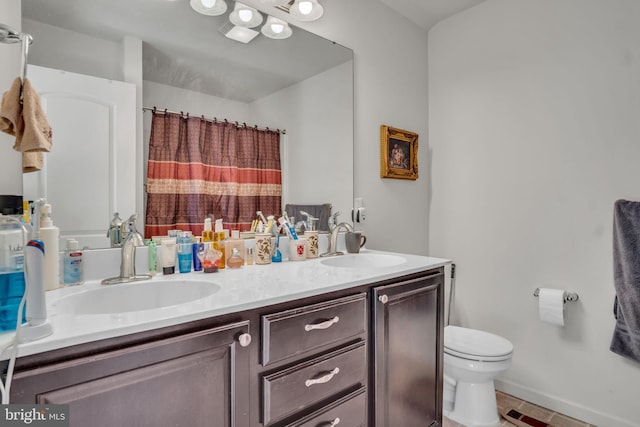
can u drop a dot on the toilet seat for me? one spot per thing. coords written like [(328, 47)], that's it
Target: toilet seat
[(476, 345)]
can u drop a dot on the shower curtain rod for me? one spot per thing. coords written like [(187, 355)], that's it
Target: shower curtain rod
[(214, 120)]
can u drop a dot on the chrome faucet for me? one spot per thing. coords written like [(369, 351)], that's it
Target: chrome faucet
[(128, 256), (333, 239)]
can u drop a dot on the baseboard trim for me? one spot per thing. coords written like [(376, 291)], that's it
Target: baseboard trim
[(562, 406)]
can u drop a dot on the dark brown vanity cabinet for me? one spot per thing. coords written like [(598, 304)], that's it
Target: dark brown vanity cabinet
[(407, 358), (368, 356), (191, 380)]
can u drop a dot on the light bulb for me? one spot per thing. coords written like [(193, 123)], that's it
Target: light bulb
[(208, 3), (305, 7), (277, 28), (245, 15)]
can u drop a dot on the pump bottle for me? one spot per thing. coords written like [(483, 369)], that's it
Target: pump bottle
[(50, 234)]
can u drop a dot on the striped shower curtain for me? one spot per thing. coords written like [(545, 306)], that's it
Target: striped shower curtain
[(199, 168)]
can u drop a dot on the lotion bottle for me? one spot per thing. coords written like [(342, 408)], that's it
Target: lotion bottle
[(50, 234)]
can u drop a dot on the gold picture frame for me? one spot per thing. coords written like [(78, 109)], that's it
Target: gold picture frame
[(398, 153)]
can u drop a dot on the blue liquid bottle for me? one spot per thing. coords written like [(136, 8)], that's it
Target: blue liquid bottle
[(12, 283)]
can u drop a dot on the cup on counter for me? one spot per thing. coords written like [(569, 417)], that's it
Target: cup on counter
[(312, 240), (354, 240), (298, 249), (262, 248)]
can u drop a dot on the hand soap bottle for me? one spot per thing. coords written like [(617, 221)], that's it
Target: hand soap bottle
[(72, 263), (49, 234)]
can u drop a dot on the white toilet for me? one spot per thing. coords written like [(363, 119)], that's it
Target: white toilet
[(472, 359)]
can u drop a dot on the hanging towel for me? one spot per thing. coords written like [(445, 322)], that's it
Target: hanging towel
[(626, 272), (37, 131), (27, 122), (11, 110)]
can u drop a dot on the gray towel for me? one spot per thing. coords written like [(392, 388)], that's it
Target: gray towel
[(626, 271), (322, 212)]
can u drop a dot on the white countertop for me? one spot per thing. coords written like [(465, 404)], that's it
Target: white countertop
[(240, 289)]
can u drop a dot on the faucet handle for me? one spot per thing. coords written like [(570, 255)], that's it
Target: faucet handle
[(132, 219)]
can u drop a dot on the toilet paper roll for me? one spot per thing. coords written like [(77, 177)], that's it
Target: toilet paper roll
[(551, 306)]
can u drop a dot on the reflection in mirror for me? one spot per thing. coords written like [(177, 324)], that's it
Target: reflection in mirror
[(303, 84)]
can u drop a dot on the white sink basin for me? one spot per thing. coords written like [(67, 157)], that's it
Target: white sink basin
[(135, 296), (363, 260)]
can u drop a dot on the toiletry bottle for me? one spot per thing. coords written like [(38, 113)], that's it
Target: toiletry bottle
[(184, 252), (218, 242), (49, 234), (153, 256), (73, 268), (235, 242), (207, 233), (235, 260)]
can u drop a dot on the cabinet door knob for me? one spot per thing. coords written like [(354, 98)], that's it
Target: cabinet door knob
[(323, 325), (383, 299), (244, 339), (323, 379)]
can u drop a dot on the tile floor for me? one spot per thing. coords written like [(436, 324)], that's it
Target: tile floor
[(508, 401)]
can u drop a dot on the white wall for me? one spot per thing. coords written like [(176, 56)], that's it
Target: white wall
[(11, 175), (390, 65), (534, 112), (62, 49), (319, 154)]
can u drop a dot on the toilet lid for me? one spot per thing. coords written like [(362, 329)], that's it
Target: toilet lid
[(476, 345)]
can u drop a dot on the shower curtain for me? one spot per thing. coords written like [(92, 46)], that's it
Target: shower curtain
[(199, 168)]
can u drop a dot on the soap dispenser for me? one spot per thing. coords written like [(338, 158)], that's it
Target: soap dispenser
[(49, 234)]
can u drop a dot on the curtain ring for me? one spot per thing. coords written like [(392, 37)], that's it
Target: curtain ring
[(154, 109), (165, 111), (225, 121), (215, 120), (256, 127), (187, 115)]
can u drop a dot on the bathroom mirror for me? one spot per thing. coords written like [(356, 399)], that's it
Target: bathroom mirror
[(264, 82)]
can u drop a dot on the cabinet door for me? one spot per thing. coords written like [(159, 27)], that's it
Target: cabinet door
[(197, 379), (408, 362)]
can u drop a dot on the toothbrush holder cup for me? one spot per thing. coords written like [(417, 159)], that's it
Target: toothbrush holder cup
[(354, 240)]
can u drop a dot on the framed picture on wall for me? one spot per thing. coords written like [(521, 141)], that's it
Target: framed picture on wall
[(398, 153)]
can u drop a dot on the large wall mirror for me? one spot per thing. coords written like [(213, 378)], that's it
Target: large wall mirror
[(303, 84)]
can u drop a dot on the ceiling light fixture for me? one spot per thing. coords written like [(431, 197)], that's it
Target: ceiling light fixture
[(209, 7), (276, 29), (306, 10), (245, 16)]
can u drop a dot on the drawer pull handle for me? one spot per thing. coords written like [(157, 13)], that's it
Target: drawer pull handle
[(323, 325), (383, 299), (323, 379), (333, 423)]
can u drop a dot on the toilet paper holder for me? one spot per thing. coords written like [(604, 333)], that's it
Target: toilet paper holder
[(568, 296)]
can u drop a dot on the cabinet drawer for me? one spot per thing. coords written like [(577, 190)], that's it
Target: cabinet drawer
[(292, 332), (350, 411), (288, 391)]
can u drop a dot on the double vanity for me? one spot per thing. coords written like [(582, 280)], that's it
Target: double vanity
[(353, 340)]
